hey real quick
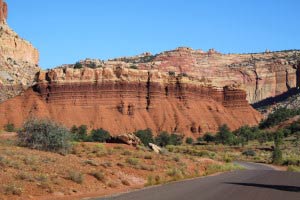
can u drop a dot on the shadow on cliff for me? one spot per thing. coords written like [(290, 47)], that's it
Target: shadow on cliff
[(277, 99)]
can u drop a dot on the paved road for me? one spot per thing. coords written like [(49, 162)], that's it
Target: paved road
[(259, 182)]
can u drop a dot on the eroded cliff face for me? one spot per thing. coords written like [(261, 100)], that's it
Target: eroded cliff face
[(18, 60), (124, 100), (261, 75)]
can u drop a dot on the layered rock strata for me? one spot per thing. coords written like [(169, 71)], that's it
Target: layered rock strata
[(123, 100), (261, 75)]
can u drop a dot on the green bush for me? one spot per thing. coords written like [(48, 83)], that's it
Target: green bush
[(189, 140), (44, 134), (162, 139), (225, 136), (145, 136), (176, 139), (78, 65), (277, 156), (100, 135), (279, 115), (79, 133), (249, 152), (10, 127), (208, 137)]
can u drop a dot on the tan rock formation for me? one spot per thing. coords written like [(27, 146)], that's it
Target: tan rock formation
[(3, 11), (18, 60)]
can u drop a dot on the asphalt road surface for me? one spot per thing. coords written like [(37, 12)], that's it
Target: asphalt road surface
[(258, 182)]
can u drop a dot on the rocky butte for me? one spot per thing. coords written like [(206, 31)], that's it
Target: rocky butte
[(18, 60), (183, 90)]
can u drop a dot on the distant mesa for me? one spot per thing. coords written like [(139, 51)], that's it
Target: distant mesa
[(3, 11)]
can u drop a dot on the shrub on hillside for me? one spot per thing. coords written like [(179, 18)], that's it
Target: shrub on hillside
[(10, 127), (46, 135), (99, 135), (176, 139), (162, 139), (145, 136), (225, 136), (79, 133), (78, 65), (208, 137), (279, 115), (189, 140)]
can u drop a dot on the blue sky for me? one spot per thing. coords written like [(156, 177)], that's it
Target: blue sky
[(66, 31)]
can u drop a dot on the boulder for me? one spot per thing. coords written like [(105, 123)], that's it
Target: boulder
[(155, 148), (130, 139)]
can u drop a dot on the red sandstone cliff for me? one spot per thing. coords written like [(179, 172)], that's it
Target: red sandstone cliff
[(18, 60), (124, 100)]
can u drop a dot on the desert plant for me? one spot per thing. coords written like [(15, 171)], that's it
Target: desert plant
[(208, 137), (224, 135), (79, 133), (145, 136), (100, 135), (132, 161), (162, 139), (249, 152), (189, 140), (12, 189), (10, 127), (99, 175), (78, 65), (44, 134), (76, 177)]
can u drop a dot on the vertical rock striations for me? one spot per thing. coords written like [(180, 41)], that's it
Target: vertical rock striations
[(18, 60), (125, 100)]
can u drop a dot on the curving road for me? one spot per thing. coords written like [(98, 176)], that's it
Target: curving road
[(258, 182)]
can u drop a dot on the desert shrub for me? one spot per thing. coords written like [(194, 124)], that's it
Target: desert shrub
[(100, 135), (225, 136), (133, 67), (279, 115), (76, 177), (172, 73), (189, 140), (10, 127), (175, 139), (46, 135), (208, 137), (125, 182), (78, 65), (162, 139), (293, 168), (99, 176), (277, 156), (132, 161), (292, 161), (12, 189), (79, 133), (145, 136), (249, 152)]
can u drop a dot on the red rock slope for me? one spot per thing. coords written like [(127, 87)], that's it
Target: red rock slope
[(124, 100)]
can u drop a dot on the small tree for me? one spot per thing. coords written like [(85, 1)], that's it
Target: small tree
[(80, 133), (277, 154), (78, 65), (10, 127), (145, 136), (208, 137), (189, 140), (100, 135), (176, 139), (46, 135), (225, 136), (162, 139)]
